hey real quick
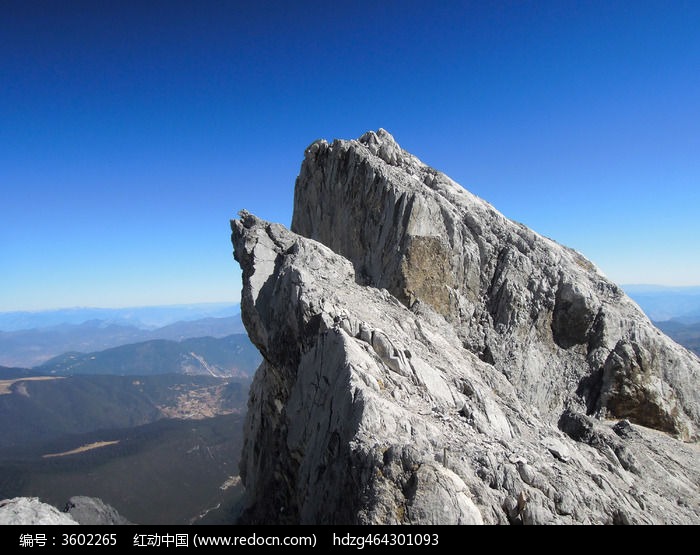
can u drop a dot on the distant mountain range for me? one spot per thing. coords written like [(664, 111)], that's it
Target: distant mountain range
[(142, 317), (147, 418), (667, 303), (674, 310), (40, 410), (32, 347), (233, 355), (687, 335)]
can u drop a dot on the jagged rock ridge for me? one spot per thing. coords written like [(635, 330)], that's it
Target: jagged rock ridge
[(437, 363), (29, 510), (78, 510), (539, 312), (93, 511)]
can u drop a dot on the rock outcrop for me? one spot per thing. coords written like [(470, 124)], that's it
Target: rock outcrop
[(29, 510), (427, 360), (78, 510), (93, 511)]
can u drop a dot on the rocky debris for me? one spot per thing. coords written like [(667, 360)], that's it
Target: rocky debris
[(445, 365), (29, 510), (93, 511)]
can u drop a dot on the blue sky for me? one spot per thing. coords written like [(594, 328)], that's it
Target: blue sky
[(131, 132)]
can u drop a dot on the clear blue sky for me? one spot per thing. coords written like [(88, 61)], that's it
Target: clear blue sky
[(131, 132)]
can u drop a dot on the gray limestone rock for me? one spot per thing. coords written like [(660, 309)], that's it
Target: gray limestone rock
[(29, 510), (93, 511), (78, 510), (541, 313), (428, 361)]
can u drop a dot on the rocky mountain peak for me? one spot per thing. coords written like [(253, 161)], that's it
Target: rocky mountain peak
[(428, 360), (383, 145), (539, 312)]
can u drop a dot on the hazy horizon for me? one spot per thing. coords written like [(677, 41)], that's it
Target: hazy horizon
[(133, 132), (631, 289), (140, 316), (126, 307)]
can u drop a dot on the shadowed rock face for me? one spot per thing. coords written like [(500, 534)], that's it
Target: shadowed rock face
[(428, 361)]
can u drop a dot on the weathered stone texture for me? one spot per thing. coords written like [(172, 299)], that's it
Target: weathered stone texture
[(427, 360)]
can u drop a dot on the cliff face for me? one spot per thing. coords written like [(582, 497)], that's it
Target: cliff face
[(427, 360)]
